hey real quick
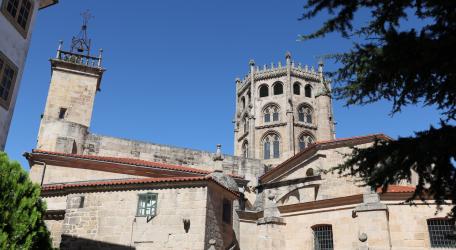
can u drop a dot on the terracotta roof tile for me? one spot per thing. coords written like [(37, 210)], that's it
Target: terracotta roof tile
[(123, 182), (130, 161), (397, 189)]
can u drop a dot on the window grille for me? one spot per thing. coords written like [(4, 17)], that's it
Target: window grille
[(323, 237), (439, 232), (147, 205)]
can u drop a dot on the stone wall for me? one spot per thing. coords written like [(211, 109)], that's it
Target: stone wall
[(216, 228), (117, 147), (109, 218)]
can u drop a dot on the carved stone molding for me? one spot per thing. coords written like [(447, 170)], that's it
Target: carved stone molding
[(273, 125)]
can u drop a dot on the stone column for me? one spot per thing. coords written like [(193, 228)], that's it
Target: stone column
[(270, 227), (253, 114)]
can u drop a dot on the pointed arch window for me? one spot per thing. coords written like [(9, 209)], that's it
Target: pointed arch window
[(305, 114), (245, 122), (264, 90), (305, 140), (297, 88), (271, 112), (278, 88), (245, 149), (271, 146), (308, 91), (243, 103)]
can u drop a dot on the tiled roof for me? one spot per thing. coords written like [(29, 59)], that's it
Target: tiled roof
[(130, 161), (126, 182), (397, 189), (322, 144)]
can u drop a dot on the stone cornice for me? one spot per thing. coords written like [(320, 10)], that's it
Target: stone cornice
[(273, 125), (305, 125)]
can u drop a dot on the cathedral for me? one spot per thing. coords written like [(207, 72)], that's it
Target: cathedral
[(104, 192)]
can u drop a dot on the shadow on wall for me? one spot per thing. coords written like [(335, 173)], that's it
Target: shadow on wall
[(72, 242)]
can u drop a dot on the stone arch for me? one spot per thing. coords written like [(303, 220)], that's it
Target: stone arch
[(263, 89), (308, 90), (245, 149), (297, 88), (277, 88)]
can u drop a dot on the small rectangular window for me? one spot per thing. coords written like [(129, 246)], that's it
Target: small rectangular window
[(7, 80), (147, 205), (440, 232), (19, 13), (227, 211), (62, 113)]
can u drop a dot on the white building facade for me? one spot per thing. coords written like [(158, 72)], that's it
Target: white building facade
[(17, 18)]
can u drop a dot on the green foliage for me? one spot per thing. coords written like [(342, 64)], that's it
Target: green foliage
[(21, 209), (404, 64)]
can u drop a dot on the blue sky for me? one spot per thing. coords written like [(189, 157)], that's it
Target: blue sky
[(171, 67)]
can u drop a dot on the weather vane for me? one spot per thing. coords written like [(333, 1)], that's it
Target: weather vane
[(81, 43)]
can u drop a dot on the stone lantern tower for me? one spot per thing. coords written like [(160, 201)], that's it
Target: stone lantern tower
[(281, 109)]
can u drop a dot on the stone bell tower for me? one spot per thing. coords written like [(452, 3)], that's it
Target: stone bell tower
[(75, 79), (280, 110)]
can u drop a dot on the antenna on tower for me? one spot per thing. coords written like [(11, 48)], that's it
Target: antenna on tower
[(81, 43)]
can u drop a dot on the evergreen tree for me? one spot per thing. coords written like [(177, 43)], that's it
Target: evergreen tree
[(405, 63), (21, 209)]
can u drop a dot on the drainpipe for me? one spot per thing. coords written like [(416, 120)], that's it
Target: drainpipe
[(44, 171), (32, 162)]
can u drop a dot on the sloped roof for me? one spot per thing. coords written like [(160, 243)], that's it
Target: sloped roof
[(116, 164), (126, 183), (319, 145)]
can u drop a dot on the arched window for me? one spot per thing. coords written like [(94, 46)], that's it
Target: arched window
[(249, 96), (308, 90), (305, 114), (305, 140), (245, 149), (297, 88), (245, 121), (323, 237), (243, 103), (264, 90), (269, 139), (269, 110), (278, 88)]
